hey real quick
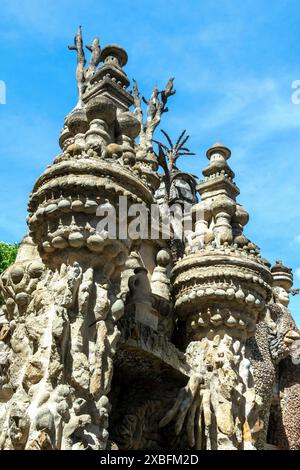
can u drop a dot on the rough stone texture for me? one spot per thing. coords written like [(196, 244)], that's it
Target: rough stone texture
[(140, 344), (284, 425), (271, 344)]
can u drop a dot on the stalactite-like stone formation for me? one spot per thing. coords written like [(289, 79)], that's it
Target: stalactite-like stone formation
[(122, 342)]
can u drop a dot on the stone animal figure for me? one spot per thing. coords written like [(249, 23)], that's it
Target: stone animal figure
[(272, 341)]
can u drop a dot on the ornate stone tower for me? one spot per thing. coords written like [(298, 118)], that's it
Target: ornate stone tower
[(221, 288), (112, 335)]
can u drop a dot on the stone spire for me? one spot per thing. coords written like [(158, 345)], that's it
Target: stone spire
[(101, 125), (221, 288), (223, 218), (61, 303), (110, 79)]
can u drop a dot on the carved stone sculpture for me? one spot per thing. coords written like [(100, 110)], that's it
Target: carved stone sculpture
[(112, 338), (274, 336), (284, 423)]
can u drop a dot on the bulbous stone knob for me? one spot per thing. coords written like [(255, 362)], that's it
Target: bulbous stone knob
[(241, 216), (64, 137), (74, 149), (223, 204), (114, 149), (36, 269), (163, 258), (129, 125), (77, 121), (101, 108), (17, 274)]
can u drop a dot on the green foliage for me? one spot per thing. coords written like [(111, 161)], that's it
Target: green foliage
[(8, 255)]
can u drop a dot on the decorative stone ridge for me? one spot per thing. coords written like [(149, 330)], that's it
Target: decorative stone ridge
[(225, 289), (141, 341)]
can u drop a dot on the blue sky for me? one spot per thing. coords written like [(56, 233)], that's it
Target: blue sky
[(234, 64)]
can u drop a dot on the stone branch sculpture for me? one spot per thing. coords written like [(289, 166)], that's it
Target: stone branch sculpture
[(83, 74), (156, 106), (95, 49), (81, 61), (178, 188), (168, 156)]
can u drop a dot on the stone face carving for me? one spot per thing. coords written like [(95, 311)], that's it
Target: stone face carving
[(113, 342)]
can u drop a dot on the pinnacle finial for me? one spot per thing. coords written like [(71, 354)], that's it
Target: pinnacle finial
[(282, 275), (219, 148), (114, 55)]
